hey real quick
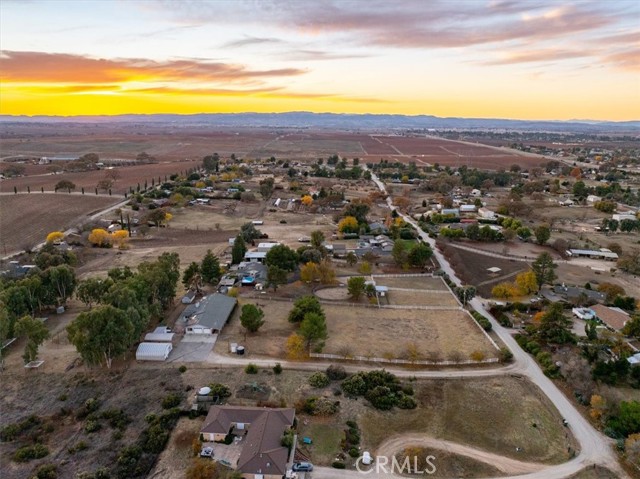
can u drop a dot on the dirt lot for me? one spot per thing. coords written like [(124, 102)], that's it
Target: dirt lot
[(380, 332), (25, 220), (412, 282)]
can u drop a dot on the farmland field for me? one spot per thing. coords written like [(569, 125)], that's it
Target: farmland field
[(25, 220), (422, 298)]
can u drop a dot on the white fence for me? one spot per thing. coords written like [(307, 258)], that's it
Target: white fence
[(465, 362)]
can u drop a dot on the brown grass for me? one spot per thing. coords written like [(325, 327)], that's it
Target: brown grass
[(421, 298)]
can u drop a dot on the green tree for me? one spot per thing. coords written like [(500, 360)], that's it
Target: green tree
[(65, 185), (266, 188), (275, 277), (419, 254), (249, 232), (465, 293), (190, 273), (239, 250), (317, 238), (162, 277), (102, 334), (251, 317), (313, 329), (400, 255), (632, 328), (210, 268), (542, 234), (283, 257), (554, 326), (627, 419), (351, 258), (304, 305), (93, 290), (544, 267), (580, 190), (62, 281), (6, 331), (355, 286), (35, 331)]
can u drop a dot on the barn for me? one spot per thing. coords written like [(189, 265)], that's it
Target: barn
[(153, 351)]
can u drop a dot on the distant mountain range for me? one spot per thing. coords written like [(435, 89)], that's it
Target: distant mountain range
[(368, 122)]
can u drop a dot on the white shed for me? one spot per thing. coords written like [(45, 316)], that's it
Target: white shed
[(153, 351), (159, 337)]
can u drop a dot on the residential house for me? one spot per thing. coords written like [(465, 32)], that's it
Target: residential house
[(573, 293), (262, 455), (486, 214), (613, 318), (209, 315)]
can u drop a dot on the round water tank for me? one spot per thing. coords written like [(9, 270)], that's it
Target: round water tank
[(205, 391), (240, 350), (366, 458)]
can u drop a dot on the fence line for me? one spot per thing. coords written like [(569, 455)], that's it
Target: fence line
[(402, 361)]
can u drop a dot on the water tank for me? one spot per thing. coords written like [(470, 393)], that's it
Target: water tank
[(234, 347), (366, 458), (205, 391), (240, 350)]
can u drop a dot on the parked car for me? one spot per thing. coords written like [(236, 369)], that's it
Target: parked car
[(206, 452), (302, 467)]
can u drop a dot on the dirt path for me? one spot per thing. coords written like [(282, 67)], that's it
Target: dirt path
[(396, 444)]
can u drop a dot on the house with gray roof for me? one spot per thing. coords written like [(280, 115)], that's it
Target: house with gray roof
[(209, 315)]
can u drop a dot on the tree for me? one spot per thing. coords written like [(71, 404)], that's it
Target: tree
[(309, 272), (35, 331), (266, 188), (120, 237), (249, 232), (504, 291), (65, 185), (251, 317), (239, 250), (627, 419), (93, 290), (543, 267), (527, 282), (554, 326), (295, 347), (348, 224), (202, 469), (580, 190), (190, 273), (355, 286), (55, 237), (542, 234), (365, 268), (102, 334), (351, 258), (275, 277), (326, 272), (313, 329), (307, 200), (62, 281), (283, 257), (158, 217), (632, 328), (400, 255), (99, 237), (465, 293), (419, 254), (210, 268), (611, 291), (317, 238), (302, 306)]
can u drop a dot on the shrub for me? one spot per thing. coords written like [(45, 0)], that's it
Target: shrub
[(354, 385), (277, 369), (477, 355), (505, 355), (117, 418), (171, 400), (319, 380), (80, 446), (338, 465), (354, 452), (27, 453), (352, 424), (182, 369), (12, 431), (46, 471), (92, 426), (219, 391), (407, 402), (251, 369), (336, 373)]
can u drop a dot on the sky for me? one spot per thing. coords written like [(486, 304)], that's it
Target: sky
[(521, 59)]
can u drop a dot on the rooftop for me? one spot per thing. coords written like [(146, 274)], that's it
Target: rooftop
[(212, 311)]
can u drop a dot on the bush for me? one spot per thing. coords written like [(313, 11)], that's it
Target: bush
[(407, 402), (319, 380), (117, 418), (251, 369), (482, 321), (80, 446), (46, 471), (352, 424), (12, 431), (277, 369), (171, 400), (182, 369), (338, 465), (506, 355), (354, 452), (27, 453), (336, 373), (354, 385), (92, 426)]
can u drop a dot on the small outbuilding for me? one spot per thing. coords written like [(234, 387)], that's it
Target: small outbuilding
[(153, 351), (159, 337)]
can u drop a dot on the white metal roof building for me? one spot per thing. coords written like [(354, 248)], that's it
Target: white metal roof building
[(595, 254), (153, 351), (159, 337)]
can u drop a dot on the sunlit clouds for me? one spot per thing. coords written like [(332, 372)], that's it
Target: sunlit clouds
[(518, 59)]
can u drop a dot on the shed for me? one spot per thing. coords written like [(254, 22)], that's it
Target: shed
[(153, 351), (493, 270), (159, 337), (255, 256), (188, 297)]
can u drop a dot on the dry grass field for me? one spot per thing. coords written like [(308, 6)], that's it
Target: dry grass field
[(25, 220), (367, 331), (422, 298), (412, 282)]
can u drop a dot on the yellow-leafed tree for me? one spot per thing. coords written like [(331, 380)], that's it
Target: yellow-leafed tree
[(598, 406), (295, 347), (309, 272), (307, 200), (527, 282), (504, 291), (100, 237), (120, 238), (55, 236), (348, 224)]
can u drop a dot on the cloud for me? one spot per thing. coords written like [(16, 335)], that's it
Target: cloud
[(248, 40), (628, 60), (309, 55), (543, 55), (66, 68)]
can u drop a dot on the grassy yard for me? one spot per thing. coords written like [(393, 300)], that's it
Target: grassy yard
[(326, 437)]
